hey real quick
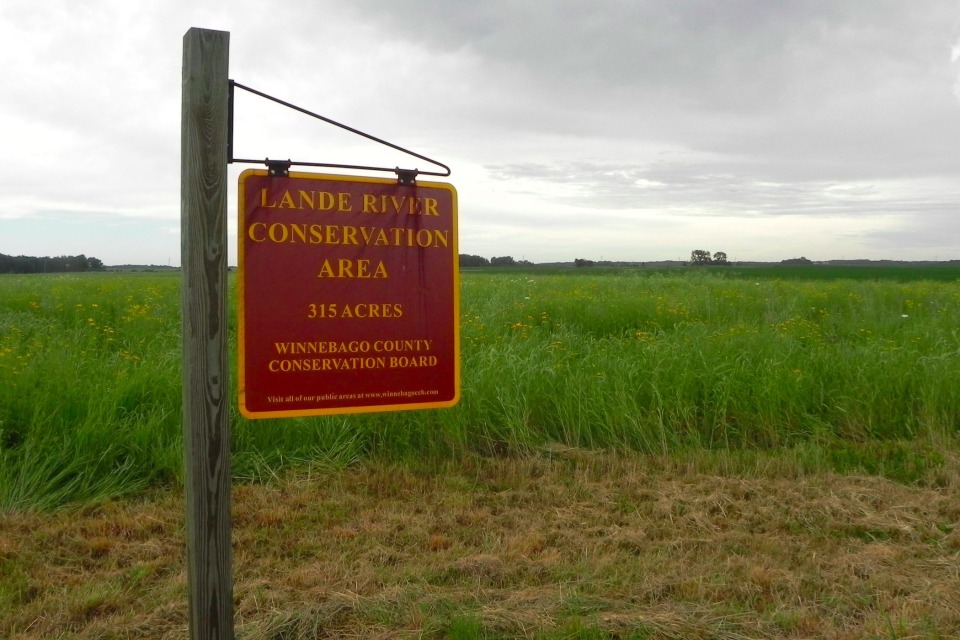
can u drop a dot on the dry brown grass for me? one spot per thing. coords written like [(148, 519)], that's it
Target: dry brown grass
[(524, 547)]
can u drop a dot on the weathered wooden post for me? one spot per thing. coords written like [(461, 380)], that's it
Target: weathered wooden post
[(206, 406)]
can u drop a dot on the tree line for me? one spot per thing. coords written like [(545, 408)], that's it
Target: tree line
[(697, 257), (46, 264), (467, 260)]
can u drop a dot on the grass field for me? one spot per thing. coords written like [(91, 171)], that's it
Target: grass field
[(627, 361), (745, 407)]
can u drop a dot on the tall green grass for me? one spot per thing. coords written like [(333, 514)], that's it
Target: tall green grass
[(624, 360), (654, 363)]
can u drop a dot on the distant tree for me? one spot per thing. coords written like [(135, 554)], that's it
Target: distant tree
[(95, 264), (800, 260), (720, 258), (503, 261), (467, 260), (581, 262), (700, 257)]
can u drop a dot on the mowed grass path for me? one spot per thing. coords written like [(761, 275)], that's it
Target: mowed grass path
[(842, 372), (564, 545)]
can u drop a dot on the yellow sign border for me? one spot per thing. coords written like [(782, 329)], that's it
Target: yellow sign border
[(241, 309)]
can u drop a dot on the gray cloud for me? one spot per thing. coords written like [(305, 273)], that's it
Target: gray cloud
[(566, 123), (851, 88), (719, 189)]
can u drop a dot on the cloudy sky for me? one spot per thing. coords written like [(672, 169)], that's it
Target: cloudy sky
[(599, 129)]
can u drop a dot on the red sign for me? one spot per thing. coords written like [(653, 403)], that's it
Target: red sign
[(348, 293)]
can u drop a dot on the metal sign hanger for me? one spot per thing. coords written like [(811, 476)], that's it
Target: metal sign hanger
[(282, 167)]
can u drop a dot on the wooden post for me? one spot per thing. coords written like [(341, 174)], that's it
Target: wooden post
[(206, 406)]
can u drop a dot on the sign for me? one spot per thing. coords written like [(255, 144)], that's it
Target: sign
[(348, 295)]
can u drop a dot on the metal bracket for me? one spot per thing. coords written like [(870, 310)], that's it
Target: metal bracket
[(406, 177), (278, 168)]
